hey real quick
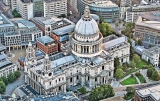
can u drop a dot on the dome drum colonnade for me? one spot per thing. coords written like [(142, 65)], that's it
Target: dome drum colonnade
[(87, 39)]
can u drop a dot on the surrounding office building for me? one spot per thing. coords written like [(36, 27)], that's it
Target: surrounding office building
[(126, 3), (38, 8), (151, 55), (6, 2), (147, 29), (55, 8), (13, 4), (87, 62), (104, 8), (47, 45), (25, 8), (49, 24), (148, 93), (16, 33), (26, 30), (73, 3), (6, 66), (137, 10)]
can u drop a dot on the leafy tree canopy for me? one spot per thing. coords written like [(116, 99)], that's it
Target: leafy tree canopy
[(2, 87), (102, 92)]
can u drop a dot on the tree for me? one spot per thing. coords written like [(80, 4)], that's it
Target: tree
[(121, 67), (128, 29), (82, 90), (102, 92), (15, 13), (154, 75), (136, 58), (149, 72), (132, 64), (101, 19), (119, 73), (139, 42), (116, 62), (116, 24), (17, 74), (2, 87), (105, 29), (130, 89), (11, 77), (5, 80)]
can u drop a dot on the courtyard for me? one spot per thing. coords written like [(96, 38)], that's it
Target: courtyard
[(17, 53)]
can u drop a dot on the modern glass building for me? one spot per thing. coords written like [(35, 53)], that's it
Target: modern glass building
[(106, 9), (38, 8)]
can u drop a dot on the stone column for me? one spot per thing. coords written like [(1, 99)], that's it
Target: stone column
[(82, 80), (74, 81), (64, 88)]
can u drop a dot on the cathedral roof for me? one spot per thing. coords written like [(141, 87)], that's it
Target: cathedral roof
[(86, 25)]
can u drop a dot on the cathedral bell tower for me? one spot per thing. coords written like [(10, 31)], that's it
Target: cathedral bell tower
[(30, 52), (47, 66)]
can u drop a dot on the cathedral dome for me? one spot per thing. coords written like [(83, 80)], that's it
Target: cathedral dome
[(87, 39), (86, 27)]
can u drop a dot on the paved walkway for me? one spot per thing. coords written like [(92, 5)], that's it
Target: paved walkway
[(10, 87), (137, 79), (142, 71)]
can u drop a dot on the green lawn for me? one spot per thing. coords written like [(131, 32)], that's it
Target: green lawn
[(141, 79), (129, 96), (141, 64), (129, 81)]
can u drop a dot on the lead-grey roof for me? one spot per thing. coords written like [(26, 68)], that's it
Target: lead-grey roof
[(114, 42), (64, 30), (6, 21), (24, 24), (3, 56), (45, 39), (86, 27), (62, 61), (5, 63), (60, 97), (2, 47)]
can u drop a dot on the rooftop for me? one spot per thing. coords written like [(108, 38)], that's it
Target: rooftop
[(151, 23), (2, 47), (46, 40), (60, 26), (151, 51), (62, 61), (5, 22), (102, 3), (47, 20), (4, 61), (153, 91), (114, 42), (69, 96), (24, 23)]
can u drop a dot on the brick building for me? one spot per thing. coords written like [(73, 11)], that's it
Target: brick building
[(47, 45), (148, 94)]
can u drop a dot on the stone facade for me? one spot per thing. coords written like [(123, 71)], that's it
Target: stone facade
[(87, 63)]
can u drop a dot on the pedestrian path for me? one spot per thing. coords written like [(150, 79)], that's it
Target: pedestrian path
[(137, 79)]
